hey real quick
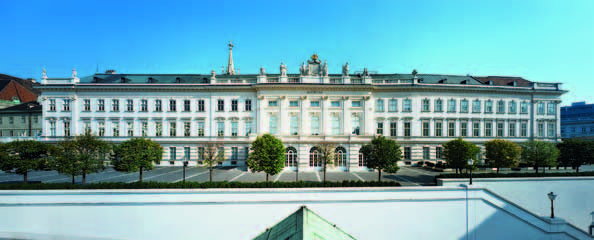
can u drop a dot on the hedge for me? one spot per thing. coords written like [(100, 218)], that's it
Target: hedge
[(513, 175), (194, 185)]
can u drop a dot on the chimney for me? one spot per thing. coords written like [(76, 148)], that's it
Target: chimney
[(110, 71), (32, 80)]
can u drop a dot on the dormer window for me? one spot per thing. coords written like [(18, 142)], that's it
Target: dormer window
[(150, 80), (464, 82), (178, 80), (122, 80), (490, 82), (445, 80)]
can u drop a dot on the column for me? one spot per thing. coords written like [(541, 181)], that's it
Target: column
[(368, 115)]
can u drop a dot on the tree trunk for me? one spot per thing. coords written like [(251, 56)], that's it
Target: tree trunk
[(324, 174), (544, 169), (84, 178), (577, 169), (497, 170), (456, 170), (267, 177), (140, 178), (210, 170), (379, 175), (25, 177), (536, 167), (73, 178)]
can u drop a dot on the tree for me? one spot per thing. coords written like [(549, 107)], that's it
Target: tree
[(501, 153), (539, 153), (327, 155), (267, 155), (137, 154), (575, 152), (66, 162), (84, 155), (26, 156), (457, 152), (384, 155), (210, 155)]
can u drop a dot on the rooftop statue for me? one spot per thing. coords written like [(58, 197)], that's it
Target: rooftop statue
[(283, 70), (345, 70), (325, 69), (262, 72), (74, 73)]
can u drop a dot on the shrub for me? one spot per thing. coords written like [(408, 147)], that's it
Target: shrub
[(510, 175)]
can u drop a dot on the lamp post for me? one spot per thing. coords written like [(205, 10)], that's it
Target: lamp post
[(185, 165), (552, 197), (29, 107), (591, 228), (470, 162)]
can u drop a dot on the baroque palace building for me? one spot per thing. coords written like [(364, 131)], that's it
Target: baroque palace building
[(183, 112)]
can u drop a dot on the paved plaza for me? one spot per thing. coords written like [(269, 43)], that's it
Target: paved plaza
[(407, 176)]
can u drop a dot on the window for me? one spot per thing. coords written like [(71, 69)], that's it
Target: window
[(66, 105), (86, 105), (464, 129), (291, 160), (115, 105), (500, 106), (200, 129), (314, 157), (52, 129), (393, 105), (234, 128), (426, 105), (512, 107), (248, 105), (341, 157), (187, 105), (315, 125), (23, 119), (87, 127), (380, 128), (524, 129), (356, 124), (52, 105), (475, 129), (115, 129), (407, 105), (172, 156), (273, 103), (158, 129), (221, 105), (144, 105), (200, 105), (314, 104), (100, 105), (172, 129), (407, 129), (407, 153), (200, 153), (524, 107), (488, 106), (438, 128), (464, 106), (248, 127), (362, 159), (488, 129), (335, 104), (393, 129), (426, 153), (356, 104), (101, 129), (144, 128), (186, 153), (499, 129), (438, 105), (551, 108), (220, 128), (11, 120), (512, 129), (234, 153), (541, 108), (425, 129), (130, 127), (293, 103), (294, 125), (187, 129), (451, 129), (273, 125), (379, 105), (158, 105), (67, 128), (172, 105), (551, 129), (541, 129), (452, 105), (335, 124), (130, 105), (234, 107), (439, 152), (476, 106)]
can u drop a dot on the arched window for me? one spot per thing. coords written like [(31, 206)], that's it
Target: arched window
[(362, 158), (314, 157), (341, 157), (291, 160)]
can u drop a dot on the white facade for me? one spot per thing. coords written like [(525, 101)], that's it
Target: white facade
[(302, 109)]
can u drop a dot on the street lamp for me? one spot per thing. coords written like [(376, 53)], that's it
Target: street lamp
[(591, 228), (185, 165), (30, 107), (470, 162), (552, 197)]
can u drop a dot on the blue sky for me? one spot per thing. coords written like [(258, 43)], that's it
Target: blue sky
[(540, 40)]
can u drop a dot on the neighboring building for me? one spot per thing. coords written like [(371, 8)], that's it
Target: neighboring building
[(577, 121), (183, 111), (20, 121), (15, 90)]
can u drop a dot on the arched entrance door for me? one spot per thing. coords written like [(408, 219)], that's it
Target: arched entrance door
[(291, 158), (314, 158), (341, 159)]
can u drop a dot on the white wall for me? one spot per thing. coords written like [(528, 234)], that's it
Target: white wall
[(366, 213)]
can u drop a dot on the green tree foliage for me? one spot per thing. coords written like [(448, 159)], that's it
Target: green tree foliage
[(575, 152), (267, 155), (502, 153), (540, 154), (384, 155), (84, 155), (210, 156), (137, 154), (326, 156), (25, 156), (457, 152)]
